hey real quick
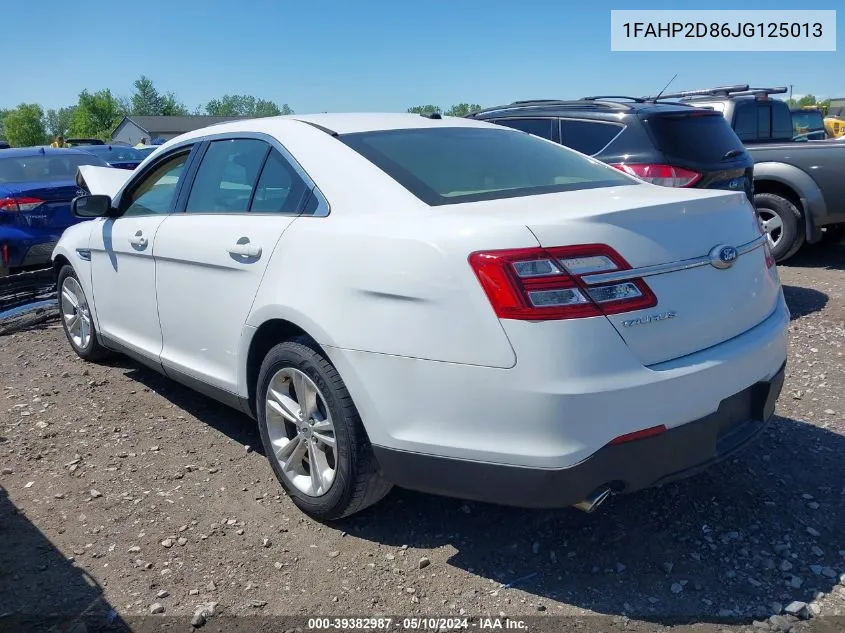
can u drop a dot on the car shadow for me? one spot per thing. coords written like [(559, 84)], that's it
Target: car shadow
[(803, 301), (40, 589), (728, 545), (829, 254), (764, 527)]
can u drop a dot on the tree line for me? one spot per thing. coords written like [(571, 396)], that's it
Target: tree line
[(96, 114), (810, 101)]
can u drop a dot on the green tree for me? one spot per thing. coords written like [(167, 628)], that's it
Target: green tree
[(462, 109), (59, 121), (96, 114), (24, 126), (806, 100), (147, 101), (3, 113), (424, 109), (245, 105)]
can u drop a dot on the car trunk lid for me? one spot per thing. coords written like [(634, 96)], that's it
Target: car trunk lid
[(671, 236)]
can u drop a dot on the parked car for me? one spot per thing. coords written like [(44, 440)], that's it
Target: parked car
[(438, 303), (808, 124), (36, 188), (4, 145), (665, 144), (76, 142), (119, 156), (799, 187)]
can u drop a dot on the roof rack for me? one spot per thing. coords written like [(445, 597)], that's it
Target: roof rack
[(590, 102), (613, 98), (738, 90)]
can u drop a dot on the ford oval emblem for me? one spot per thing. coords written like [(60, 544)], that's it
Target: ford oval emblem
[(723, 256)]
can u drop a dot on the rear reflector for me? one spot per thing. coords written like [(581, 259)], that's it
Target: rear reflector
[(19, 204), (639, 435), (536, 284), (663, 175), (4, 250)]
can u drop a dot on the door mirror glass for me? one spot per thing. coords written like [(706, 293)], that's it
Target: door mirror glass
[(96, 206)]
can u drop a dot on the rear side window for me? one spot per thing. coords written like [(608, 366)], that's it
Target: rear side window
[(279, 189), (537, 127), (463, 164), (701, 136), (227, 175), (587, 137)]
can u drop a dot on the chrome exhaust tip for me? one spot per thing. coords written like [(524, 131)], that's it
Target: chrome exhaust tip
[(594, 500)]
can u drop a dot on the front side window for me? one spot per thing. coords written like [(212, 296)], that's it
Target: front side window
[(451, 165), (537, 127), (156, 192), (227, 176)]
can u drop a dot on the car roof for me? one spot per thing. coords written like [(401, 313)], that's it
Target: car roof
[(600, 107), (341, 123), (35, 151)]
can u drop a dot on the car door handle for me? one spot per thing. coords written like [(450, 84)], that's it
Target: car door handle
[(245, 250), (138, 240)]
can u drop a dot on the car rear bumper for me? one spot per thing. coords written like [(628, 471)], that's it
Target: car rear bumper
[(677, 453)]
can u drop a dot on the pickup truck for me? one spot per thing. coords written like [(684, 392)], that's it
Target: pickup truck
[(799, 185)]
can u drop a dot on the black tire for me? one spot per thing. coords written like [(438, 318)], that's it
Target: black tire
[(791, 237), (92, 351), (357, 483)]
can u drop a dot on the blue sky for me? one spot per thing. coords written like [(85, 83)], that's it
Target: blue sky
[(369, 55)]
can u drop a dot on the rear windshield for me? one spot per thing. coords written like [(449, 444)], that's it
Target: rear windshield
[(450, 165), (700, 137), (115, 154), (44, 168)]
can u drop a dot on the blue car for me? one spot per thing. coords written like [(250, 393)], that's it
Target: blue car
[(120, 156), (36, 188)]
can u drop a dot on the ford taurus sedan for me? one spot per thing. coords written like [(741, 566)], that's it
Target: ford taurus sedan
[(437, 303)]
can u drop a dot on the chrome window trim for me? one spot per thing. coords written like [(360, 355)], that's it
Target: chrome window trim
[(323, 208)]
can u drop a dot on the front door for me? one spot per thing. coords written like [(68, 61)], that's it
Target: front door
[(211, 257), (123, 271)]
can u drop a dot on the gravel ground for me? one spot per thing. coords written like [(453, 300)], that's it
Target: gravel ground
[(124, 494)]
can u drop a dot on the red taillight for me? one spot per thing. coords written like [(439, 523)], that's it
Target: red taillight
[(663, 175), (19, 204), (536, 284), (639, 435)]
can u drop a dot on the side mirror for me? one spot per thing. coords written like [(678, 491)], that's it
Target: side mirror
[(94, 206)]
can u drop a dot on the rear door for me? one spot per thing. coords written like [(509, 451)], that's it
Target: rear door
[(212, 255)]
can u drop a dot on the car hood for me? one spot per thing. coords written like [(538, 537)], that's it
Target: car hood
[(102, 180)]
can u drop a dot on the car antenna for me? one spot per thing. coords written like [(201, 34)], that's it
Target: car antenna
[(659, 94)]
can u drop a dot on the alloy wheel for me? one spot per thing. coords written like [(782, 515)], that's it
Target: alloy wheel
[(772, 226), (75, 313), (301, 432)]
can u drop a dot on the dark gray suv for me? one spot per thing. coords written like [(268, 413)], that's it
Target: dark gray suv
[(670, 144)]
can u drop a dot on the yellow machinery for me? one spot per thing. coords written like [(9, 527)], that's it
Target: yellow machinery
[(834, 122)]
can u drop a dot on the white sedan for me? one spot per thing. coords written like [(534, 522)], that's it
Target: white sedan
[(437, 303)]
